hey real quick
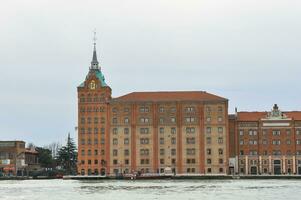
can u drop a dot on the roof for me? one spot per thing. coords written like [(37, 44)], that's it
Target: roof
[(170, 96), (99, 76), (255, 116)]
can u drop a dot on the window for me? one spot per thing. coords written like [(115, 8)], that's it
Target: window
[(162, 152), (126, 152), (288, 142), (208, 109), (126, 141), (190, 119), (161, 109), (288, 132), (103, 120), (220, 109), (144, 120), (144, 109), (126, 161), (208, 140), (190, 140), (208, 151), (208, 130), (220, 140), (115, 131), (82, 141), (190, 130), (89, 141), (115, 141), (190, 151), (114, 110), (161, 140), (115, 152), (95, 141), (126, 131), (241, 142), (144, 152), (83, 152), (173, 130), (173, 140), (162, 161), (208, 170), (95, 130), (82, 130), (115, 162), (208, 161), (89, 120), (173, 110), (95, 162), (221, 170), (298, 142), (89, 152), (190, 109), (264, 132), (220, 161), (220, 151), (173, 152), (219, 119), (144, 130), (144, 141), (173, 120), (298, 131), (95, 120), (126, 110), (161, 130), (161, 120), (102, 131), (114, 120), (126, 120), (276, 132), (265, 142), (95, 152), (241, 132), (276, 142), (208, 119), (82, 120), (220, 129)]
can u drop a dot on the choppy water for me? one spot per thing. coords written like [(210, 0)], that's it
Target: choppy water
[(154, 189)]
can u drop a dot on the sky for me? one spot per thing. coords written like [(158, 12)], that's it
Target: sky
[(245, 50)]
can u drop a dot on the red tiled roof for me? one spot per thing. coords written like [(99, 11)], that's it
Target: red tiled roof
[(255, 116), (170, 96)]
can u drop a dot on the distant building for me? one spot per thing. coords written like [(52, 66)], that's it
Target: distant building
[(149, 132), (31, 161), (12, 157), (265, 142)]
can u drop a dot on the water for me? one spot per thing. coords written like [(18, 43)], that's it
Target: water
[(150, 189)]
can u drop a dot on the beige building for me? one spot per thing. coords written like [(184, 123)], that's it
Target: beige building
[(150, 132)]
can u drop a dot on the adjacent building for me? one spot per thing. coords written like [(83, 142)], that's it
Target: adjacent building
[(12, 157), (265, 142), (149, 132)]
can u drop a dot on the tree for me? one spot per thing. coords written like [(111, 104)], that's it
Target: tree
[(45, 158), (67, 156)]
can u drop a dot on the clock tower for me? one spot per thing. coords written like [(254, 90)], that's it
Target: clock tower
[(94, 96)]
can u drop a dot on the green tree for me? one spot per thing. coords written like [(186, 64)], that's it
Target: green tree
[(67, 157), (45, 158)]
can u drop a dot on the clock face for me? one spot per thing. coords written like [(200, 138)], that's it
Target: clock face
[(92, 85)]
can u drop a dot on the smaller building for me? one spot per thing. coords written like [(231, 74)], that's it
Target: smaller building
[(265, 142), (31, 161), (12, 158)]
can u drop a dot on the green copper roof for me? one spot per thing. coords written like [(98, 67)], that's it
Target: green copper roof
[(99, 76)]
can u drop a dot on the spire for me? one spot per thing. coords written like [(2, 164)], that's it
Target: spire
[(94, 63)]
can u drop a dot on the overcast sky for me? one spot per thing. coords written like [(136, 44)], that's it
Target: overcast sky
[(245, 50)]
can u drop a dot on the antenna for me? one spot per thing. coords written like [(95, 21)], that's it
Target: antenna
[(94, 37)]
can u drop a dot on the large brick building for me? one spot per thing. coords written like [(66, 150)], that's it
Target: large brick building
[(265, 142), (188, 132), (149, 132)]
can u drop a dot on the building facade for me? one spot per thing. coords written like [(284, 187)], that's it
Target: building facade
[(149, 132), (12, 158), (265, 142)]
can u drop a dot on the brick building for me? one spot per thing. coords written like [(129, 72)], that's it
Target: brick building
[(149, 132), (265, 142)]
